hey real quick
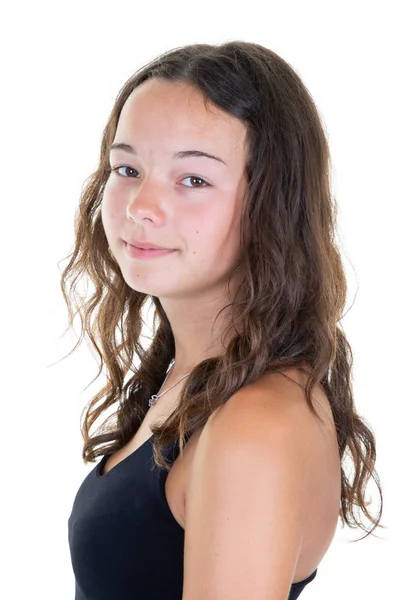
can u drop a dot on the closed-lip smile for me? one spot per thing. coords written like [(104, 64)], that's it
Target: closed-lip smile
[(146, 245)]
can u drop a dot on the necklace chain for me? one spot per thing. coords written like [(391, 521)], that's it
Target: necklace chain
[(155, 397)]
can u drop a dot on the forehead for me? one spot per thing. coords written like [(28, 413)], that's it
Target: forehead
[(167, 112)]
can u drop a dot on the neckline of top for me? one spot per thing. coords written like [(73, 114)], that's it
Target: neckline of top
[(103, 461), (307, 580)]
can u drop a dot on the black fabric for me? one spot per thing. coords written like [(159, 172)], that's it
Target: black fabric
[(124, 541)]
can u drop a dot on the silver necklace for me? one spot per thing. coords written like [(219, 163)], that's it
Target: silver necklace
[(155, 397)]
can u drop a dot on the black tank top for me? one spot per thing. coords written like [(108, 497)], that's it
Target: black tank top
[(124, 541)]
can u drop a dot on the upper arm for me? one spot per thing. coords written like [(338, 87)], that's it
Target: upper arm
[(246, 503)]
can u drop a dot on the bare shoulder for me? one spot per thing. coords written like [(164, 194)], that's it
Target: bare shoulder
[(261, 479), (278, 397), (273, 415)]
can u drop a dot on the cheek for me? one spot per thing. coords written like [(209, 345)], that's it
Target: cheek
[(213, 238), (111, 209)]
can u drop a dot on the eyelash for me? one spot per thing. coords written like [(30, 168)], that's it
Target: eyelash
[(206, 184)]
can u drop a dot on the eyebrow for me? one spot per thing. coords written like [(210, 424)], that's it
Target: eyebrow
[(181, 154)]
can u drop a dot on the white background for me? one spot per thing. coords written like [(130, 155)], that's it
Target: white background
[(62, 67)]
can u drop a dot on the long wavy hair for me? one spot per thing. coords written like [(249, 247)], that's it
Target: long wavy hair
[(288, 308)]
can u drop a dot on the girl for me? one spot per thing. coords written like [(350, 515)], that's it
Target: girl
[(221, 475)]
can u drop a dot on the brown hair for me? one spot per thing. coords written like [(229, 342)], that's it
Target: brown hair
[(287, 311)]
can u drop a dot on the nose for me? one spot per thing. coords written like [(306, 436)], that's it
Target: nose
[(146, 203)]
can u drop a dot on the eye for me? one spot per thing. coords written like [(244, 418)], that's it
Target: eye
[(204, 183), (199, 179), (116, 169)]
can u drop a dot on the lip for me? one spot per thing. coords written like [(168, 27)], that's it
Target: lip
[(146, 245), (140, 253)]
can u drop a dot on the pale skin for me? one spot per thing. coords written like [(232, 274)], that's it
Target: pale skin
[(257, 489), (174, 211)]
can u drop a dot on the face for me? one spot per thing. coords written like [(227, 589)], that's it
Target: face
[(190, 204)]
